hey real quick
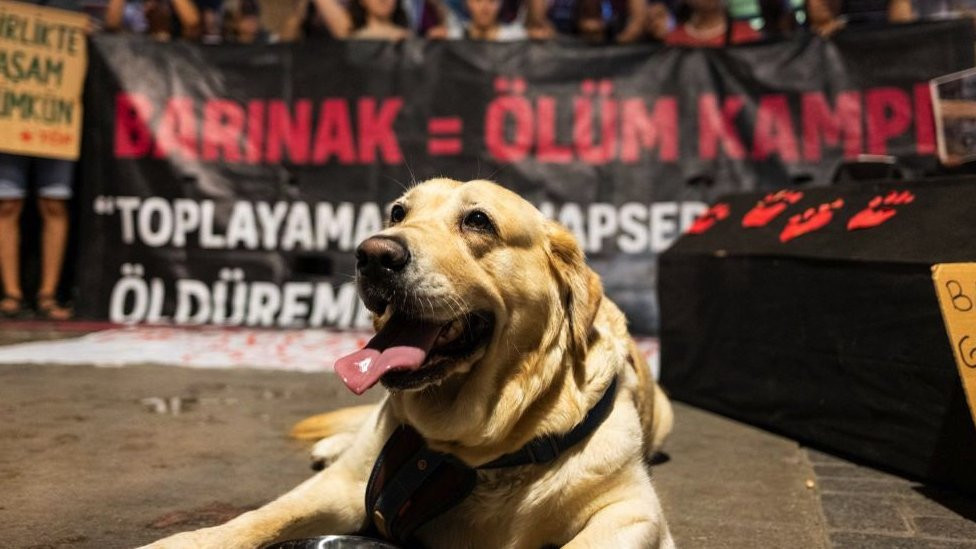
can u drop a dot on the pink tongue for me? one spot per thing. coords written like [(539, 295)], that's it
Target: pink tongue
[(402, 344)]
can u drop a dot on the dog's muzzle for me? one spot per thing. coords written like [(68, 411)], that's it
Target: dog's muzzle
[(379, 262)]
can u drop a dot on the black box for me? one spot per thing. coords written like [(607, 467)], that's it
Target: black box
[(822, 323)]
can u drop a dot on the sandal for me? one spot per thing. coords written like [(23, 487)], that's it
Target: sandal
[(11, 307), (49, 308)]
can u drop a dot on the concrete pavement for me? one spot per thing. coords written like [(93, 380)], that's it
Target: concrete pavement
[(116, 457)]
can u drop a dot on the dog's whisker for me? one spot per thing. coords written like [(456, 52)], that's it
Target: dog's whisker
[(397, 301), (462, 305), (454, 305), (497, 171), (398, 182), (459, 310), (413, 178)]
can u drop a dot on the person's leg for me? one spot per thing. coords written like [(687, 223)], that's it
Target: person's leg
[(10, 255), (54, 214), (54, 178), (13, 185)]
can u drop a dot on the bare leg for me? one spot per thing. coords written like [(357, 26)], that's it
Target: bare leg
[(54, 214), (10, 254)]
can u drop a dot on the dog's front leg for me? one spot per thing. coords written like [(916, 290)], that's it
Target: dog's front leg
[(618, 526), (331, 502), (630, 517)]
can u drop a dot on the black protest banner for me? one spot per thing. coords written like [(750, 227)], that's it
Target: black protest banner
[(229, 185)]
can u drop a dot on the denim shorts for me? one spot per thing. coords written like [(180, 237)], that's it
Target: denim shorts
[(52, 177)]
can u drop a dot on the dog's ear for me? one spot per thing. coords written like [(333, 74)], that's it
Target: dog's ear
[(581, 287)]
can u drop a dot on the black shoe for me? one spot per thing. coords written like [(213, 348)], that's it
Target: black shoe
[(12, 307)]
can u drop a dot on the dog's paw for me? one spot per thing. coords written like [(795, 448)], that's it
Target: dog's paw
[(327, 451), (215, 537)]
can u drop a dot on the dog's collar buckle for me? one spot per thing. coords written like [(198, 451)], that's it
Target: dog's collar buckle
[(411, 484)]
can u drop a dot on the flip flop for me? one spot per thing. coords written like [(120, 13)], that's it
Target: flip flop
[(11, 307), (48, 308)]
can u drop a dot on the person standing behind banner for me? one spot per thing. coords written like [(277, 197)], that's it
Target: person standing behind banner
[(706, 23), (779, 19), (303, 22), (365, 19), (384, 19), (241, 23), (427, 18), (53, 179), (210, 23), (484, 23), (160, 19), (306, 21), (601, 21), (658, 21), (822, 16), (828, 16), (620, 21)]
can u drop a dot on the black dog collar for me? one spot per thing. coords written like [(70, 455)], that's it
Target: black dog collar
[(548, 447), (411, 484)]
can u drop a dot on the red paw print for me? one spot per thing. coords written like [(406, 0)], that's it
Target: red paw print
[(769, 207), (879, 210), (705, 221), (810, 220)]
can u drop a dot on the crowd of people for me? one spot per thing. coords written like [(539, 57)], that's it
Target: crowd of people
[(674, 22), (696, 23)]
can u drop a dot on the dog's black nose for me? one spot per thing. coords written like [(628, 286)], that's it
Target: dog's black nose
[(382, 253)]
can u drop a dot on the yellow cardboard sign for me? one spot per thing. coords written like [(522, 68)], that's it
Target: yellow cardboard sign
[(43, 57), (955, 285)]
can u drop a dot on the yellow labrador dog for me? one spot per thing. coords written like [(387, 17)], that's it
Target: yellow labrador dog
[(510, 376)]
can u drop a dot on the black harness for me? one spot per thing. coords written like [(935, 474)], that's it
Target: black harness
[(411, 484)]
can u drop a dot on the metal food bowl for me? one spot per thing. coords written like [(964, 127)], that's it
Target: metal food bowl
[(332, 542)]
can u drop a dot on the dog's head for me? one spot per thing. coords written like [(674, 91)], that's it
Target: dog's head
[(468, 280)]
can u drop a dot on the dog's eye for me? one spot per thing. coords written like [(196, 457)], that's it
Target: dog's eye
[(397, 213), (479, 221)]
